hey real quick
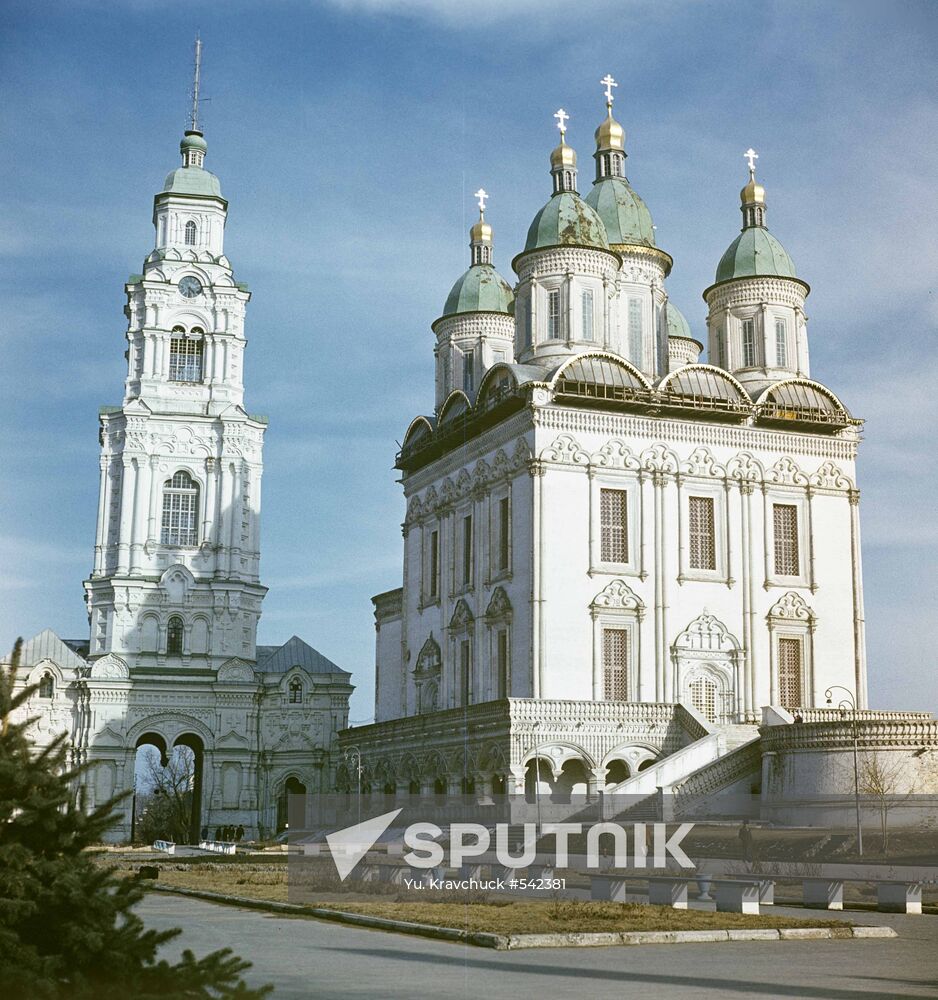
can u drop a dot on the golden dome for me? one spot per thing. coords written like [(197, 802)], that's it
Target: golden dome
[(563, 156), (610, 134), (752, 193), (481, 232)]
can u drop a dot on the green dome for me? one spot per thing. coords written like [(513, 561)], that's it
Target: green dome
[(677, 325), (480, 289), (624, 214), (754, 252), (566, 220), (193, 140), (192, 180)]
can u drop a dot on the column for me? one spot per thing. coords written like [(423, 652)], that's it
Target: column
[(141, 496), (745, 496), (153, 528), (222, 559), (234, 550), (208, 512), (128, 482), (101, 528), (657, 479), (859, 622)]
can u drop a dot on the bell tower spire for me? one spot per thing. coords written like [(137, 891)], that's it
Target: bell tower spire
[(196, 80)]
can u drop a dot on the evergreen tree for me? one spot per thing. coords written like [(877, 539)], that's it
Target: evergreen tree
[(67, 926)]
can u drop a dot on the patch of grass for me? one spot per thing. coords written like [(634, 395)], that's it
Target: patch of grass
[(569, 916), (495, 914)]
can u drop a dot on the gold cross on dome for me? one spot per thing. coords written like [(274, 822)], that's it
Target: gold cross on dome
[(482, 196), (751, 155), (608, 82), (562, 119)]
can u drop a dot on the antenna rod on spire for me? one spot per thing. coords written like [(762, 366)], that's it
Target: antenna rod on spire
[(194, 123)]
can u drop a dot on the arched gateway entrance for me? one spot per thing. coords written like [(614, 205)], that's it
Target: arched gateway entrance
[(168, 781)]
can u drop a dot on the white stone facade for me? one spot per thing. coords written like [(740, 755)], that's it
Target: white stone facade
[(174, 596)]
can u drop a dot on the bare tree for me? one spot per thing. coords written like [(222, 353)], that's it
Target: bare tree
[(164, 811), (880, 780)]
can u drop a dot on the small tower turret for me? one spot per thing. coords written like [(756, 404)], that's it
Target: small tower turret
[(756, 322), (477, 327)]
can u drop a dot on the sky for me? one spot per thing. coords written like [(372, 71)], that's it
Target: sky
[(348, 136)]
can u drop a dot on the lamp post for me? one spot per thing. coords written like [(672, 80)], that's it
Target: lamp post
[(850, 702), (355, 751)]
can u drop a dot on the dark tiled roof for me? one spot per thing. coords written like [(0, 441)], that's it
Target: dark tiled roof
[(295, 653)]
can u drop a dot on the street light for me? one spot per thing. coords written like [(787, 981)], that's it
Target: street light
[(355, 751), (850, 702)]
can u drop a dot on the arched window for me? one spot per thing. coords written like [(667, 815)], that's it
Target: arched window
[(296, 691), (180, 524), (191, 232), (185, 355), (174, 630), (47, 686)]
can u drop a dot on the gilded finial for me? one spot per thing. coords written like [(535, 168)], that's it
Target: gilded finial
[(608, 82), (562, 119)]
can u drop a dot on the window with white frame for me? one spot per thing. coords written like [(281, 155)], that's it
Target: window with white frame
[(790, 670), (785, 525), (47, 685), (296, 691), (503, 536), (781, 343), (749, 343), (701, 533), (185, 355), (501, 663), (586, 314), (635, 331), (554, 324), (174, 634), (466, 568), (180, 523), (528, 316), (615, 664), (613, 526), (191, 233), (468, 372)]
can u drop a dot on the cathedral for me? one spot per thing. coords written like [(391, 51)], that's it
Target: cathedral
[(625, 570), (613, 551), (174, 596)]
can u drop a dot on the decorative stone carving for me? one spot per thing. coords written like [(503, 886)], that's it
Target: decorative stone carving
[(745, 468), (706, 633), (566, 450), (659, 458), (792, 606), (702, 463), (499, 606), (786, 472), (462, 616), (111, 668), (235, 671), (616, 454), (831, 477), (618, 595)]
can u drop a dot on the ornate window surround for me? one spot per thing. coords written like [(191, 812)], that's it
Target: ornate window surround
[(792, 618), (715, 490), (498, 618), (617, 606), (462, 627), (631, 483), (799, 497), (707, 649)]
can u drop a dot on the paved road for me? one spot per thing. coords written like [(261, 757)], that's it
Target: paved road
[(322, 960)]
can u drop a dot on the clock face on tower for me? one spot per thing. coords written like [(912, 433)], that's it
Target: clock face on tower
[(190, 287)]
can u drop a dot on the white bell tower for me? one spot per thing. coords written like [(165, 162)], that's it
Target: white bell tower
[(175, 580)]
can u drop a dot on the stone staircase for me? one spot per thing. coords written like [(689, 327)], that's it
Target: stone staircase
[(733, 735)]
